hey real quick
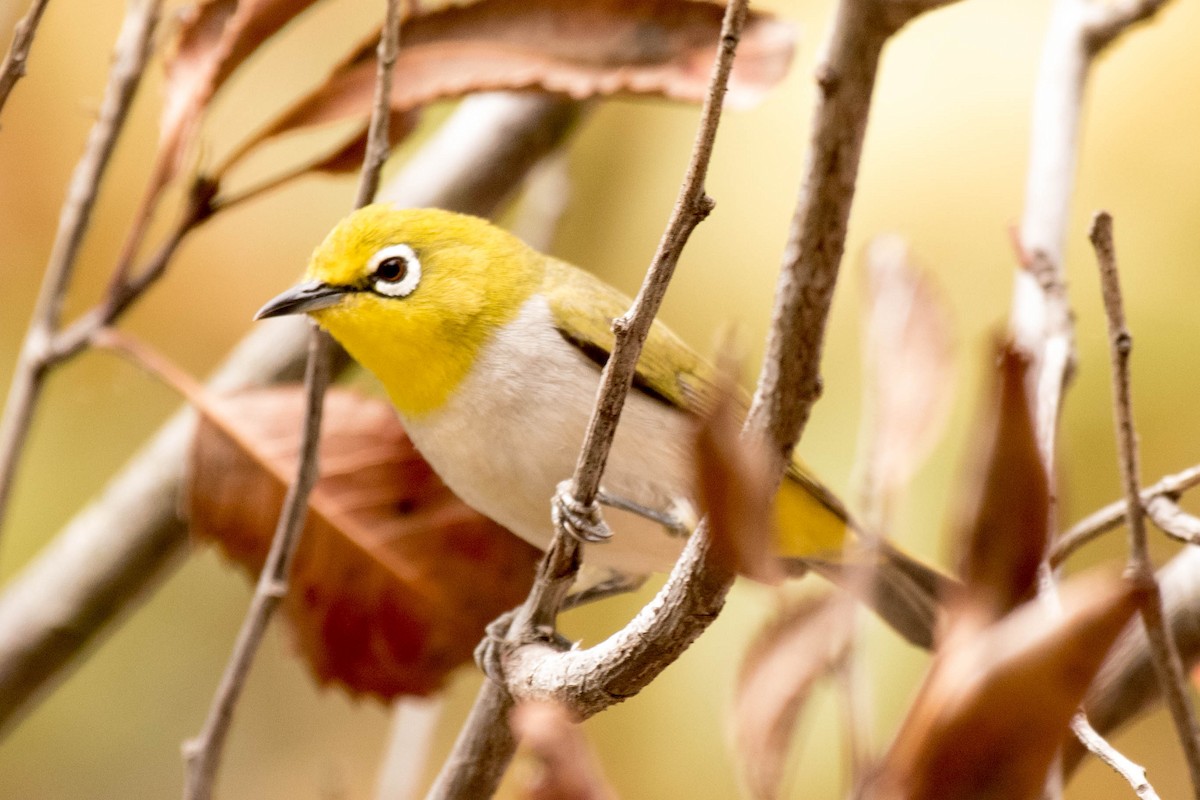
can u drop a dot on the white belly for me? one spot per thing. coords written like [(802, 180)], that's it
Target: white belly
[(513, 430)]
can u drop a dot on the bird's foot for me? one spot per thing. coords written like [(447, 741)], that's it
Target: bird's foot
[(582, 522), (610, 587), (673, 522), (498, 643)]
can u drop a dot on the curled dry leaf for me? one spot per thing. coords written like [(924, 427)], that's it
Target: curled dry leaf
[(581, 48), (804, 642), (735, 484), (567, 768), (1006, 534), (395, 577), (997, 702), (214, 37), (909, 363)]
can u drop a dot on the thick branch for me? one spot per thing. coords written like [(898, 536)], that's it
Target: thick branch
[(129, 64), (13, 68), (1140, 569), (123, 543)]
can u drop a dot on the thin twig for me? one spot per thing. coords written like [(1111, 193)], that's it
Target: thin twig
[(1134, 774), (114, 551), (202, 755), (1139, 568), (13, 68), (132, 51), (588, 681), (1113, 515)]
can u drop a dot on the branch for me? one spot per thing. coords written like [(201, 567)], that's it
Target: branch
[(13, 68), (587, 681), (1112, 516), (1140, 569), (129, 64), (202, 755), (115, 550)]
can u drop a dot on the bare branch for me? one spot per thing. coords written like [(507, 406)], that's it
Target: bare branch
[(1134, 774), (1140, 569), (414, 725), (124, 542), (1113, 515), (129, 64), (1172, 520), (202, 755), (1108, 21), (13, 68)]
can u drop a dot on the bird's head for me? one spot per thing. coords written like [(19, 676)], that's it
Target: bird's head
[(413, 294)]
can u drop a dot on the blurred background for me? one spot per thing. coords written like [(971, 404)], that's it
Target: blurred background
[(944, 166)]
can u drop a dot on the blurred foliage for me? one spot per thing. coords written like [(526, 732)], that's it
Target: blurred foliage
[(944, 165)]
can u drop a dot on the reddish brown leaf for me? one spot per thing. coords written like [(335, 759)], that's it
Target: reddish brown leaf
[(735, 485), (214, 38), (395, 578), (1006, 535), (909, 364), (786, 658), (582, 48), (349, 156), (997, 702), (567, 765)]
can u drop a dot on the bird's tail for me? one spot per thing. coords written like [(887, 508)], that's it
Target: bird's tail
[(817, 533)]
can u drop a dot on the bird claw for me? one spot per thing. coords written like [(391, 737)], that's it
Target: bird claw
[(496, 644), (581, 522)]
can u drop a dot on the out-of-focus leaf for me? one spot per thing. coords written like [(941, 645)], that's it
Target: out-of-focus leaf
[(1006, 535), (567, 768), (786, 658), (734, 484), (395, 577), (349, 156), (997, 702), (909, 364), (214, 38), (582, 48)]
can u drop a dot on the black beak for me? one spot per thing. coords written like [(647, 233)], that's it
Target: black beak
[(300, 299)]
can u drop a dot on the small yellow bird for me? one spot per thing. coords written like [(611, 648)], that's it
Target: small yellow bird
[(491, 353)]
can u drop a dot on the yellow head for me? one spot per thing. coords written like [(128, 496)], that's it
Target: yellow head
[(413, 295)]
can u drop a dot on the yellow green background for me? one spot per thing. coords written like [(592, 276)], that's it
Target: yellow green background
[(944, 166)]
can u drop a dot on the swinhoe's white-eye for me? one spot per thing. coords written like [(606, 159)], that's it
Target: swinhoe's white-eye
[(491, 353)]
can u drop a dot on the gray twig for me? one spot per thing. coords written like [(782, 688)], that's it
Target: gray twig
[(1114, 514), (129, 64), (1134, 774), (13, 68), (202, 755), (1140, 569)]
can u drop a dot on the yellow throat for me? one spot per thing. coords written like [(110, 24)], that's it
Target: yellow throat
[(474, 279)]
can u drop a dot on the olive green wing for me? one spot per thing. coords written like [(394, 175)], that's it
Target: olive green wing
[(583, 308)]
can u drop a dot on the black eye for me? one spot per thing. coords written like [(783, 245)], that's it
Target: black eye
[(392, 270)]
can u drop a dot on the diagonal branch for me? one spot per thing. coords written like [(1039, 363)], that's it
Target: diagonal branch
[(202, 754), (132, 52), (1140, 569), (13, 68)]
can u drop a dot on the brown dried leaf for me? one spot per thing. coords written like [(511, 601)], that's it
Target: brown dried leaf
[(997, 702), (582, 48), (735, 485), (1007, 533), (349, 156), (804, 642), (395, 577), (214, 38), (567, 765), (909, 363)]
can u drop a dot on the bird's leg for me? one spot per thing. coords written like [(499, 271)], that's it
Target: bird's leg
[(490, 652), (618, 583), (673, 522)]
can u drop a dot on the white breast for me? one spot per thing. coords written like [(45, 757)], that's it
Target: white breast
[(513, 430)]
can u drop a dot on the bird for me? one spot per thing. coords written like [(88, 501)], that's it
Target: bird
[(491, 353)]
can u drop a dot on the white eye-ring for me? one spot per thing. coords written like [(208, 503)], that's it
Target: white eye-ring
[(395, 270)]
